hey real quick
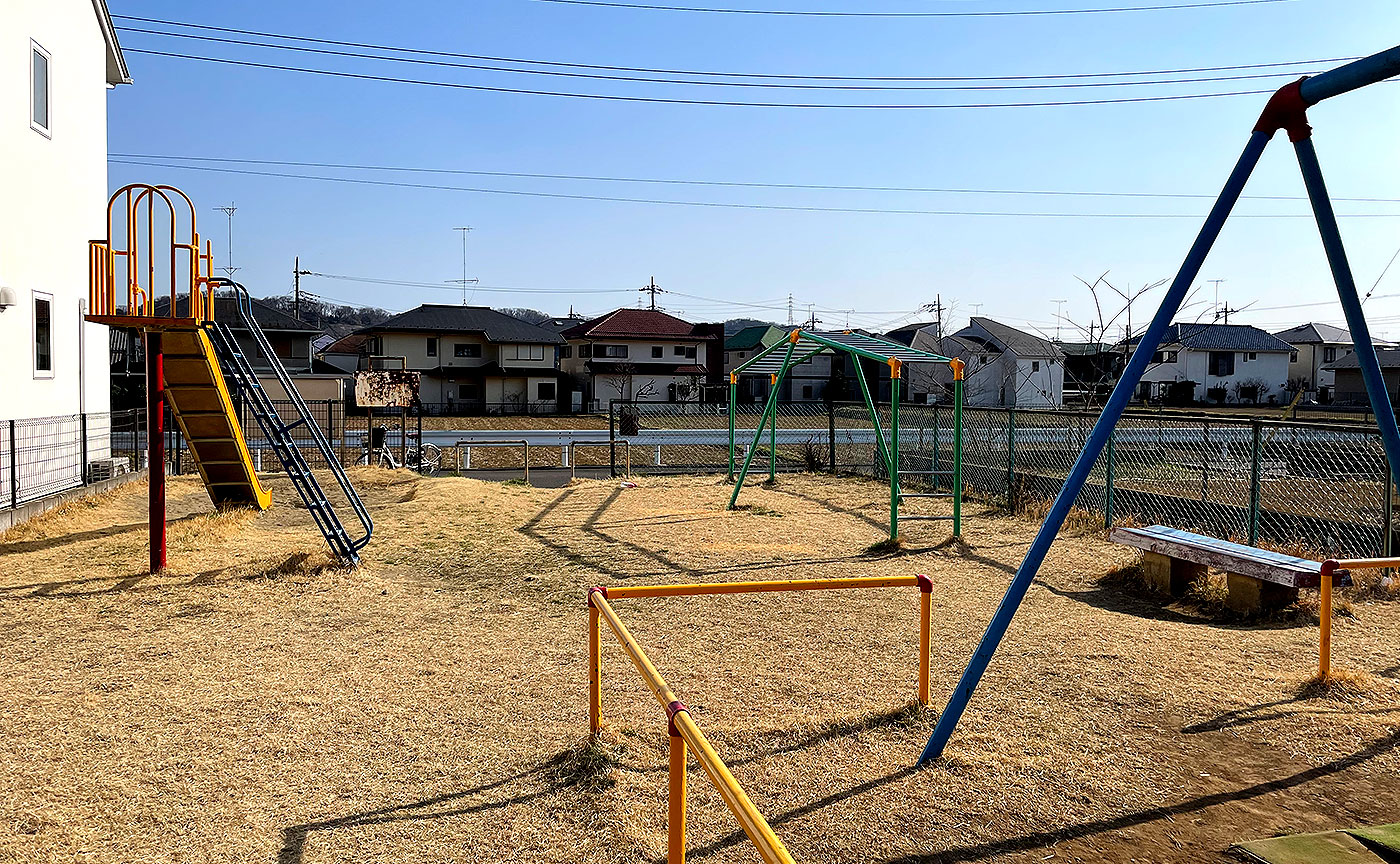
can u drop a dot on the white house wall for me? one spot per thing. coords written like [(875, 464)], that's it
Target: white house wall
[(55, 192), (1268, 366)]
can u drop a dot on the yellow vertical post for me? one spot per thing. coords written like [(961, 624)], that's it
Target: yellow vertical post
[(595, 671), (675, 819), (925, 613), (1324, 618)]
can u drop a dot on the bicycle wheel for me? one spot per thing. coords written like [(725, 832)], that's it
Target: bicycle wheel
[(429, 458)]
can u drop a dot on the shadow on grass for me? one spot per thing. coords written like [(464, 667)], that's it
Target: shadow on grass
[(1043, 839), (606, 562), (555, 773)]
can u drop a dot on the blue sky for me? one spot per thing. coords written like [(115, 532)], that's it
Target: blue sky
[(882, 265)]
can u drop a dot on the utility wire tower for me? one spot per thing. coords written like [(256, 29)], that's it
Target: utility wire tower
[(297, 273), (1215, 306), (464, 281), (229, 211), (790, 318), (1059, 307), (653, 289)]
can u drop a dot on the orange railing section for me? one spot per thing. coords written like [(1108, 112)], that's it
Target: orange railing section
[(683, 734), (1330, 568), (130, 291)]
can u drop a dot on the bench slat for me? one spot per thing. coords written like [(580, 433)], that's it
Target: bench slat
[(1280, 569)]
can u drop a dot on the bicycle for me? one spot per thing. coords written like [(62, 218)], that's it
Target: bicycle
[(425, 458)]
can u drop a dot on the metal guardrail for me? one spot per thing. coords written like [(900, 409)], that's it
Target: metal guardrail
[(683, 733)]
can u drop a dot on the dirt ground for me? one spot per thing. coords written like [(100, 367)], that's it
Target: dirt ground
[(254, 703)]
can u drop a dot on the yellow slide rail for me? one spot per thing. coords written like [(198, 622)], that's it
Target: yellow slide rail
[(683, 734)]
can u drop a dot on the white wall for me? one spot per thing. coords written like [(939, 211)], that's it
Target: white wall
[(54, 190), (1268, 366), (1040, 383)]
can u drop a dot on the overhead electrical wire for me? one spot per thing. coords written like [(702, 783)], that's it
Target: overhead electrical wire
[(961, 87), (721, 74), (657, 7), (715, 204), (656, 100), (824, 187)]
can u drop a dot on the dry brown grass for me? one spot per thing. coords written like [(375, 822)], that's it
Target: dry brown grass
[(257, 703)]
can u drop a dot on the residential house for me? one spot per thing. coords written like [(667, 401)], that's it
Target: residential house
[(1091, 371), (1005, 367), (805, 382), (472, 359), (644, 355), (59, 59), (1217, 363), (1315, 346), (1349, 388)]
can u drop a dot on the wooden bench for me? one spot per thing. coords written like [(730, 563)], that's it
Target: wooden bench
[(1256, 580)]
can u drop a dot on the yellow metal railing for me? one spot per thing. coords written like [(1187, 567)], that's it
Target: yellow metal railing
[(683, 733), (131, 290)]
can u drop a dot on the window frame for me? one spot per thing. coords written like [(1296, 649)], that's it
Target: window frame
[(47, 128), (462, 350), (1329, 354), (35, 298), (553, 391), (1217, 359), (431, 346), (657, 352)]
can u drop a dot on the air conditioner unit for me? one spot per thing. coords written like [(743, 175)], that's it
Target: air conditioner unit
[(106, 469)]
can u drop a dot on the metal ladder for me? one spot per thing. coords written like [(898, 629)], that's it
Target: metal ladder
[(278, 433)]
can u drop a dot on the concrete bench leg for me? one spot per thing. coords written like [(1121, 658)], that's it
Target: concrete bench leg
[(1248, 595), (1169, 576)]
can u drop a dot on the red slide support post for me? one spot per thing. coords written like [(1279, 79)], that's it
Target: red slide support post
[(155, 446)]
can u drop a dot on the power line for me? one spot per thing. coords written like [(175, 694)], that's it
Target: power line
[(503, 289), (654, 7), (359, 76), (824, 187), (719, 204), (746, 84), (720, 74)]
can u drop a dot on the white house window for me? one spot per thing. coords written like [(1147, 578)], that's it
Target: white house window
[(43, 335), (1035, 365), (1329, 355), (614, 351), (566, 352), (466, 349), (432, 346), (38, 88), (544, 391), (1293, 357), (526, 352), (1222, 363), (656, 351)]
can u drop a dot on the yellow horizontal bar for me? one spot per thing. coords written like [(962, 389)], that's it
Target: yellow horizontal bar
[(770, 848), (1367, 563), (624, 591)]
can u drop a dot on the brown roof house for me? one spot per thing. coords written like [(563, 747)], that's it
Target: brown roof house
[(643, 355)]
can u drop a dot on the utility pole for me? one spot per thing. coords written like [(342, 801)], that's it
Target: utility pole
[(1059, 307), (229, 211), (1224, 312), (464, 281), (297, 273), (812, 319), (1215, 307), (652, 289)]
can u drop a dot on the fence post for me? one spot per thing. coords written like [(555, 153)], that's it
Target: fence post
[(1108, 480), (527, 462), (831, 434), (14, 467), (1011, 460), (612, 437), (1388, 512), (1255, 445), (733, 402), (83, 431)]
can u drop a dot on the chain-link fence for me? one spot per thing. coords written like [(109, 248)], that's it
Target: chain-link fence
[(1315, 487)]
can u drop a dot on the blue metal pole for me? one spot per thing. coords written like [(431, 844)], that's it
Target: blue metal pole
[(1353, 76), (1025, 574), (1351, 304)]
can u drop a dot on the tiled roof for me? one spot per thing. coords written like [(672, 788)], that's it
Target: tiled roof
[(1009, 338), (1314, 334), (352, 344), (1389, 358), (905, 335), (633, 324), (1222, 337), (226, 312), (444, 318)]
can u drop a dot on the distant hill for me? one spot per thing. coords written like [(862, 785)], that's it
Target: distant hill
[(734, 325)]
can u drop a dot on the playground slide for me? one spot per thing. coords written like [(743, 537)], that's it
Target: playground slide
[(200, 404)]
